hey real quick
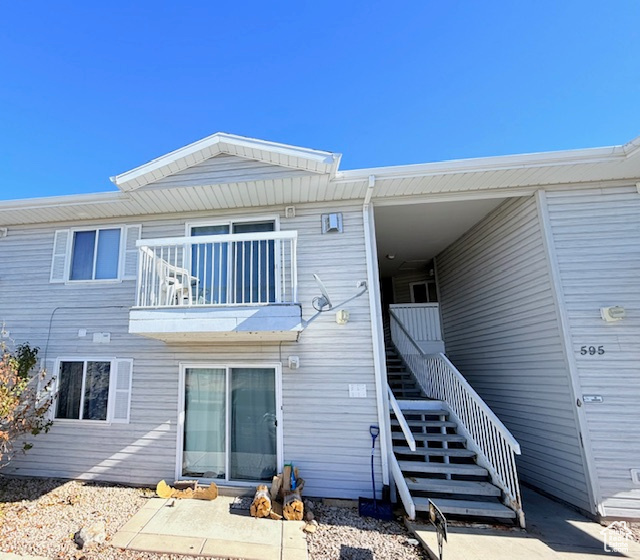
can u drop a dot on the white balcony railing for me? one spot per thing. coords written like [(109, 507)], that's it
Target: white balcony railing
[(494, 444), (218, 270)]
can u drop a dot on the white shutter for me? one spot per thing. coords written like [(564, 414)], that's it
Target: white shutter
[(130, 258), (122, 391), (59, 258)]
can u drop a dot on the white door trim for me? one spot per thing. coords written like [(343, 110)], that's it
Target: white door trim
[(276, 366)]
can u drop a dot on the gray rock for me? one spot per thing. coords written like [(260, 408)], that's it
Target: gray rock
[(94, 534)]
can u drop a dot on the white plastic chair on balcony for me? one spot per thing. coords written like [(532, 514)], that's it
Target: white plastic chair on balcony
[(173, 284)]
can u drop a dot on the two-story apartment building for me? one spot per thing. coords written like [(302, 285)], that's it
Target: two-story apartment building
[(189, 337)]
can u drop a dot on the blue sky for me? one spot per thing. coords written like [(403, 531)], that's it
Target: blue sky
[(89, 90)]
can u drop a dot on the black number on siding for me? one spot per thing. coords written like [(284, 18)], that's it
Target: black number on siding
[(592, 350)]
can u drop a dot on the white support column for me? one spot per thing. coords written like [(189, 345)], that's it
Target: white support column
[(377, 332)]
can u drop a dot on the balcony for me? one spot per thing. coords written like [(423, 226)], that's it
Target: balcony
[(232, 287)]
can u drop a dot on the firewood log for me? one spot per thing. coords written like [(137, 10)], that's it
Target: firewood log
[(261, 505), (276, 486), (293, 508), (210, 493)]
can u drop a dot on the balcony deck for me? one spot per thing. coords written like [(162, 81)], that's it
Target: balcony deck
[(233, 287)]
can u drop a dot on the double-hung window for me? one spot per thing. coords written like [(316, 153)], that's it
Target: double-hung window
[(106, 253), (96, 390), (95, 254)]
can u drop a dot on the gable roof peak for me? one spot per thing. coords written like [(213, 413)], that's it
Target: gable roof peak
[(284, 155)]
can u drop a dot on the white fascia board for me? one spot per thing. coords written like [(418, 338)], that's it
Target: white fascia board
[(136, 177), (632, 147), (64, 200), (497, 163)]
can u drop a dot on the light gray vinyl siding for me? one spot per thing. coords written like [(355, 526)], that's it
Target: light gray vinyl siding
[(225, 168), (402, 284), (502, 332), (596, 235), (326, 433)]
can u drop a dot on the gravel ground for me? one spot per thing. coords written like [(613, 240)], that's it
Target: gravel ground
[(40, 517), (343, 534)]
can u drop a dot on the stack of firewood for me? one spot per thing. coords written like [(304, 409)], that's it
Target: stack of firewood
[(283, 500)]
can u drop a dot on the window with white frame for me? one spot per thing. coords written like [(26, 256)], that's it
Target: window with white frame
[(106, 253), (97, 390), (95, 254)]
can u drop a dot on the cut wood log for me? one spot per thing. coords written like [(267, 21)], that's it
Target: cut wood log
[(276, 485), (210, 493), (261, 505), (163, 490), (286, 479), (293, 508)]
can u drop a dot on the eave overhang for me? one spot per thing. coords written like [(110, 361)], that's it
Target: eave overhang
[(464, 178)]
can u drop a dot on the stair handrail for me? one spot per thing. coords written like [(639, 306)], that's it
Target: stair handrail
[(494, 444), (402, 487), (406, 430)]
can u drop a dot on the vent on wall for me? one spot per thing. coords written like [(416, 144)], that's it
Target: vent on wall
[(332, 223)]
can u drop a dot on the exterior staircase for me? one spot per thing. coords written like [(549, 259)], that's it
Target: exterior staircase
[(442, 468)]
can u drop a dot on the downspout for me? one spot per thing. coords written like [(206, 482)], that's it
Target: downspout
[(377, 335)]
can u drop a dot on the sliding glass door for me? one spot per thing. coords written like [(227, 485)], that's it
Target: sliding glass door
[(230, 423), (239, 272)]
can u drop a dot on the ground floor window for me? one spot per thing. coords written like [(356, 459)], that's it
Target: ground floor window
[(83, 390), (230, 423), (96, 390)]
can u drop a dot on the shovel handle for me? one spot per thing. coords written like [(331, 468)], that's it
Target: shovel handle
[(374, 431)]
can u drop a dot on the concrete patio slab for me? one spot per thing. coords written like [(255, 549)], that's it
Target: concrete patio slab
[(210, 528), (554, 532)]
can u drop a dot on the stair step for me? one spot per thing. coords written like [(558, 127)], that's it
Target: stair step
[(442, 468), (467, 487), (432, 437), (467, 507), (428, 451), (411, 407), (427, 423)]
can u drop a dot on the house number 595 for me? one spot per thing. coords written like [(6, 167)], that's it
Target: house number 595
[(592, 350)]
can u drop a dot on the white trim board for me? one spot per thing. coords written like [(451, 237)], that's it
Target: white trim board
[(277, 367), (563, 322)]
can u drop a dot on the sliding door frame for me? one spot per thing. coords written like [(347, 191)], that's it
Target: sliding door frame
[(228, 366)]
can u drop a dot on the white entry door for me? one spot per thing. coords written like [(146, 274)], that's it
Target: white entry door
[(229, 423)]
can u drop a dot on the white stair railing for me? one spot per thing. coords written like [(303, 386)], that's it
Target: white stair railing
[(406, 430), (398, 477), (439, 379)]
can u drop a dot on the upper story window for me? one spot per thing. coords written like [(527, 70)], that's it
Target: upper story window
[(101, 254), (95, 254)]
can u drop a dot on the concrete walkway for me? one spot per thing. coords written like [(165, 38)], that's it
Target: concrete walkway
[(554, 532), (210, 528)]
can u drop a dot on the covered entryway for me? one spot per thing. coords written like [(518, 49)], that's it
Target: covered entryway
[(504, 353)]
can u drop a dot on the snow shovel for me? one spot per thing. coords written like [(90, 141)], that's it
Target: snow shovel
[(368, 507)]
